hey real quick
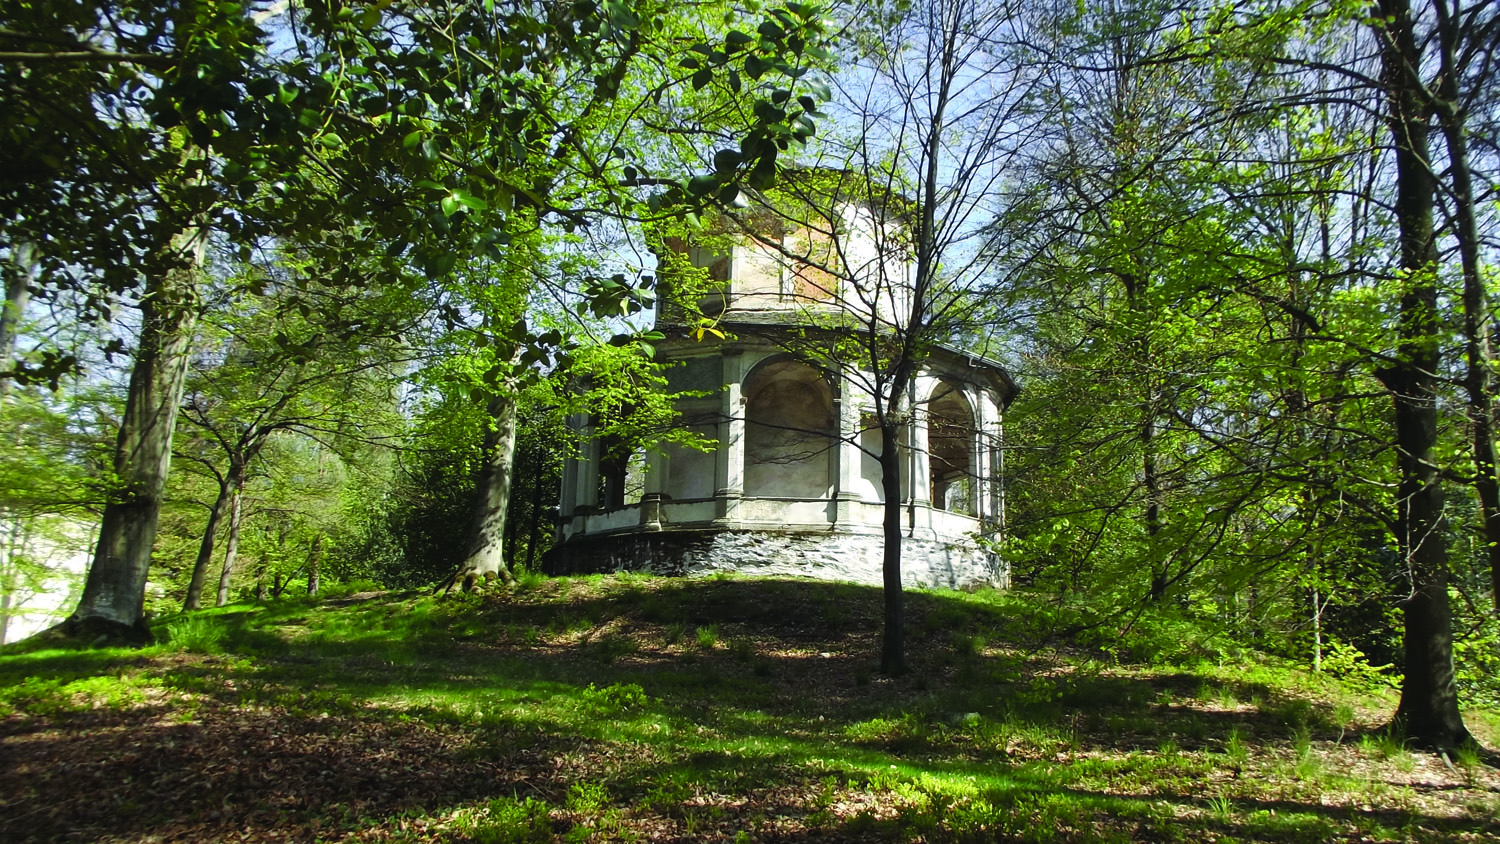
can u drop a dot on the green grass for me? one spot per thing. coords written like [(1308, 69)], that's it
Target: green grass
[(627, 709)]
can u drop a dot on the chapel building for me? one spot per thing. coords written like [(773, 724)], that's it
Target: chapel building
[(794, 484)]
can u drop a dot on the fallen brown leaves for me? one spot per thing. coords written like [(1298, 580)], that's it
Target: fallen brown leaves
[(214, 765)]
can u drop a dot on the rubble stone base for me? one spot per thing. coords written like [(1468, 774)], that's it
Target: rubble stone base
[(825, 556)]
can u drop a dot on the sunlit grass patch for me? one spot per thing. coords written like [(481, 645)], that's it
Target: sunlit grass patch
[(44, 696), (618, 709)]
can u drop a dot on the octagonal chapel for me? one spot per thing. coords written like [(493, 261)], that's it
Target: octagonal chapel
[(793, 486)]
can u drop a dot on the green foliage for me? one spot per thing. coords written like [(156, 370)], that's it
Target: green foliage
[(1112, 750), (52, 697), (193, 633), (1476, 657), (1348, 663), (510, 820), (708, 637), (618, 696)]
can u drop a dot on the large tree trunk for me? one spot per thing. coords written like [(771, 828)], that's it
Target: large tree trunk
[(486, 555), (114, 593), (1479, 355), (227, 487), (10, 573), (232, 546), (1428, 710), (17, 293)]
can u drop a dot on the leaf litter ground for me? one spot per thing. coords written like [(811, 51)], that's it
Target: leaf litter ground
[(635, 709)]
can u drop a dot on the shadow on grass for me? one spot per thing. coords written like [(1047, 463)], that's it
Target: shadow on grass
[(317, 720)]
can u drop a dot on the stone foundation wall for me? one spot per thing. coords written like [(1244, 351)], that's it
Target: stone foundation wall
[(826, 556)]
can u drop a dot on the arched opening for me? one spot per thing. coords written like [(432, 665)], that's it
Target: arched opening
[(621, 474), (950, 447), (789, 432)]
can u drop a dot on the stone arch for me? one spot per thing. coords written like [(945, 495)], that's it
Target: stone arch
[(951, 448), (790, 430)]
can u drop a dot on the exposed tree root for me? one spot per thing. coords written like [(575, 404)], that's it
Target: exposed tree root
[(95, 632)]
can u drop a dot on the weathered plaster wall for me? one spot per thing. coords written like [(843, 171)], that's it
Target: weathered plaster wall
[(788, 428), (690, 472), (850, 557)]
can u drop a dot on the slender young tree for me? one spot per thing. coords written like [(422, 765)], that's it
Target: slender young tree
[(888, 210)]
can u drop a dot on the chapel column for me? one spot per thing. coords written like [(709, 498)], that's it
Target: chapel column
[(919, 463), (981, 447), (568, 495), (729, 462), (849, 407), (658, 464), (585, 480)]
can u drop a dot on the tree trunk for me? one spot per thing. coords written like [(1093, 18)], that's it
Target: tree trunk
[(893, 639), (232, 546), (260, 582), (1479, 355), (10, 574), (17, 294), (228, 485), (1428, 711), (314, 561), (1317, 628), (114, 594), (486, 557), (1151, 480), (206, 548)]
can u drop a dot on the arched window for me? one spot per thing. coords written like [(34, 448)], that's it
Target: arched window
[(621, 479), (789, 432), (950, 448)]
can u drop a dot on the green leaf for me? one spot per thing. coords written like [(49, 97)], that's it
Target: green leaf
[(767, 113), (469, 200), (702, 78), (732, 197), (727, 159), (735, 40), (756, 67)]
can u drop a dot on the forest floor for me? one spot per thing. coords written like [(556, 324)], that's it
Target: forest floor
[(637, 709)]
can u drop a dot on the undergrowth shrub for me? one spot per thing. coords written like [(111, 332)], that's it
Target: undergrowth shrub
[(1349, 664), (1476, 657), (618, 696), (507, 820), (52, 696), (196, 633), (335, 591)]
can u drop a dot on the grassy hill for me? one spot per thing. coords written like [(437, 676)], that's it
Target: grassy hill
[(634, 709)]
